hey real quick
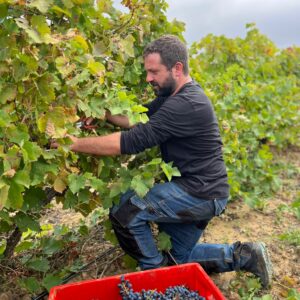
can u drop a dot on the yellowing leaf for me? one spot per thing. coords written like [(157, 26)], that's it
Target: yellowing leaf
[(8, 93), (39, 23), (81, 42), (9, 173), (74, 170), (59, 184), (79, 1), (64, 66), (70, 114), (60, 10), (31, 151), (41, 5), (3, 195), (42, 123), (23, 23), (127, 46), (50, 129), (96, 68)]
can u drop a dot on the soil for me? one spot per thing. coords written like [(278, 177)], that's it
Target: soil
[(238, 223)]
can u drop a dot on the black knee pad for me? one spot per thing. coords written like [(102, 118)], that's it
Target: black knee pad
[(124, 213)]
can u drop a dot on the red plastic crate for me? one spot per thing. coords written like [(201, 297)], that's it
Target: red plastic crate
[(191, 275)]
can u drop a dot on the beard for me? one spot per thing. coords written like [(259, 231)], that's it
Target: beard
[(166, 89)]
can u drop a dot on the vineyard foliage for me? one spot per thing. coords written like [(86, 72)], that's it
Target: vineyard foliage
[(64, 60), (255, 88)]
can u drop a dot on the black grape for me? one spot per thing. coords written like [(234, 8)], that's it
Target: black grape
[(178, 292)]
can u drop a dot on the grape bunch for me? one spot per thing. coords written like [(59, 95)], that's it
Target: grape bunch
[(178, 292)]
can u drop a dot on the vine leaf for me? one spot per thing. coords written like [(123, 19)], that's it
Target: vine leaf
[(164, 241), (51, 280), (39, 264), (41, 5)]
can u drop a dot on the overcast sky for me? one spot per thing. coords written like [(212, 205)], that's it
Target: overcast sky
[(278, 19)]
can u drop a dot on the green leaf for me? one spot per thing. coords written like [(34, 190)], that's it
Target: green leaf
[(154, 161), (60, 230), (31, 284), (169, 170), (129, 262), (293, 294), (18, 134), (3, 10), (84, 196), (24, 245), (97, 184), (8, 93), (139, 108), (33, 199), (96, 107), (139, 186), (253, 284), (23, 23), (4, 215), (41, 5), (22, 177), (25, 222), (4, 119), (115, 190), (2, 246), (51, 246), (45, 88), (31, 151), (39, 264), (164, 241), (70, 200), (76, 182), (39, 171), (84, 230), (51, 280), (58, 10), (15, 197)]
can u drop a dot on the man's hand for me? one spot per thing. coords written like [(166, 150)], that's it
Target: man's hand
[(86, 123), (55, 145)]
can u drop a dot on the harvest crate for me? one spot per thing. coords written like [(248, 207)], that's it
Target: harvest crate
[(191, 275)]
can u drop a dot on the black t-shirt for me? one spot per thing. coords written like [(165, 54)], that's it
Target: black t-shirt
[(186, 128)]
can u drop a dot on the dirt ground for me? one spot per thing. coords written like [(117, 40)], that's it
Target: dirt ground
[(238, 223)]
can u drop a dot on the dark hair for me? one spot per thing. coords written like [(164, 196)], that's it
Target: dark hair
[(171, 51)]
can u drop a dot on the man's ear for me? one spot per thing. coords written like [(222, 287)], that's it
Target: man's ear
[(178, 69)]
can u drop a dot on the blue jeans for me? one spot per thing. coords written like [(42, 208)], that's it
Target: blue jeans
[(181, 216)]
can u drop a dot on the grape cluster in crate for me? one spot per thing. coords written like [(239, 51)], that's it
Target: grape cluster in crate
[(179, 292)]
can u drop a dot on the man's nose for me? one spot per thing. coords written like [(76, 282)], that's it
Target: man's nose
[(149, 78)]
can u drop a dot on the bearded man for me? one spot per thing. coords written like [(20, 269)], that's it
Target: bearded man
[(183, 123)]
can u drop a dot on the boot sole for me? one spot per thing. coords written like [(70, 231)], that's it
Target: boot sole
[(266, 264)]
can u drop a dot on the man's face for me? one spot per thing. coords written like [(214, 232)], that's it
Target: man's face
[(159, 76)]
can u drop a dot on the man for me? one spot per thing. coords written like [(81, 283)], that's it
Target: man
[(183, 123)]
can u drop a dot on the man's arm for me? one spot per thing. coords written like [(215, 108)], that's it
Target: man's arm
[(99, 145)]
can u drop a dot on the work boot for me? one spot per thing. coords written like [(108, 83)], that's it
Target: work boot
[(254, 258)]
